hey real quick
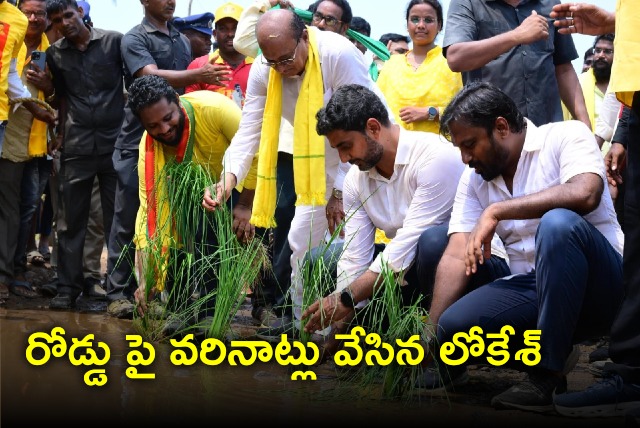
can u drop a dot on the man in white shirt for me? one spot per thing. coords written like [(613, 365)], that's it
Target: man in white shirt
[(543, 191), (284, 41), (404, 184)]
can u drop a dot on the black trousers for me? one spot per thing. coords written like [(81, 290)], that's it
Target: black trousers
[(121, 282), (624, 348), (77, 174)]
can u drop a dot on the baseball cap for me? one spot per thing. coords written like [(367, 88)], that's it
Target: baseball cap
[(201, 22), (228, 10), (86, 8)]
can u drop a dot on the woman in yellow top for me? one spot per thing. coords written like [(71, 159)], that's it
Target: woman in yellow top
[(419, 84)]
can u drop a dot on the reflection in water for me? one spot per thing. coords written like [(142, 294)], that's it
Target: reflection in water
[(262, 393)]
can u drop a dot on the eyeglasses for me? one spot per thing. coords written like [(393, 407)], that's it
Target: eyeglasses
[(415, 20), (605, 51), (329, 20), (286, 61), (40, 14)]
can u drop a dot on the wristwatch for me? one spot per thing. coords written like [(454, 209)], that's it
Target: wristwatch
[(433, 112), (346, 298), (336, 193)]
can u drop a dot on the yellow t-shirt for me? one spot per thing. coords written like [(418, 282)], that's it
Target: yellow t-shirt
[(432, 84), (13, 27), (216, 121)]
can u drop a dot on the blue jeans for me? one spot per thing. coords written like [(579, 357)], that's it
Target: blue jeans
[(572, 295), (34, 179)]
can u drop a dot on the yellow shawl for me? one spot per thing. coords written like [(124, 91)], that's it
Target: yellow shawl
[(38, 135), (308, 146)]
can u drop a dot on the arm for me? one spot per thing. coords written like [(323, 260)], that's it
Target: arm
[(581, 194), (586, 19), (451, 279), (471, 55), (245, 40), (571, 92), (210, 73), (607, 118)]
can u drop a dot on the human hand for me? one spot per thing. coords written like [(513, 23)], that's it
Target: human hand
[(43, 115), (335, 214), (284, 4), (615, 162), (479, 242), (242, 227), (413, 114), (223, 188), (324, 312), (39, 78), (141, 298), (534, 28), (215, 73), (582, 18)]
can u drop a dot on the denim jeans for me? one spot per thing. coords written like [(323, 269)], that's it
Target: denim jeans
[(572, 295)]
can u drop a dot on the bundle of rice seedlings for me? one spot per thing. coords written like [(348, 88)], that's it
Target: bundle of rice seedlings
[(184, 253)]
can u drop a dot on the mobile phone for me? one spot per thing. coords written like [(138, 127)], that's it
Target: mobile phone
[(39, 58)]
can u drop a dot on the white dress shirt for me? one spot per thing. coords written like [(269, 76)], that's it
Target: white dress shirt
[(418, 195), (551, 155), (341, 63)]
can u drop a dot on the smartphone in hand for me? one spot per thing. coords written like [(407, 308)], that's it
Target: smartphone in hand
[(39, 58)]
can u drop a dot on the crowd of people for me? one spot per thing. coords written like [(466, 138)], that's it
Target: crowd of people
[(319, 152)]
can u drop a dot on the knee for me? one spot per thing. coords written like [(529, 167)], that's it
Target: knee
[(558, 222), (431, 245)]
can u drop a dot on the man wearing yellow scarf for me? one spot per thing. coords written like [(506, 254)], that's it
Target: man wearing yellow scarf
[(24, 168), (200, 127), (298, 70)]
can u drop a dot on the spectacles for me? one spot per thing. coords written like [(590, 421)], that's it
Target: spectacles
[(285, 61), (415, 20), (329, 20), (605, 51), (38, 14)]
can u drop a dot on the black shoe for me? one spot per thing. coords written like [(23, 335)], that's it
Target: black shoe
[(92, 288), (274, 331), (611, 397), (62, 301), (534, 394), (434, 382)]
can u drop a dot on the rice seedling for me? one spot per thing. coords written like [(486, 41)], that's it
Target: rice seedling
[(196, 259)]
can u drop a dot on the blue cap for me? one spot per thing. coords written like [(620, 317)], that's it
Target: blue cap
[(86, 8), (202, 22)]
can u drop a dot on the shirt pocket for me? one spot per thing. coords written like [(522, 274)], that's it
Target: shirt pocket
[(107, 75)]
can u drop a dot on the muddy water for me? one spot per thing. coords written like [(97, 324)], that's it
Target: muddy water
[(262, 393)]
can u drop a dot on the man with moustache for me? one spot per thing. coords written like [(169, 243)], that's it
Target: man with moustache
[(594, 83), (86, 65), (404, 184), (543, 191), (225, 25), (156, 47), (195, 127)]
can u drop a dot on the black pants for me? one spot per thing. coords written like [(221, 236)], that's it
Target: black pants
[(624, 348), (274, 284), (121, 282), (77, 174)]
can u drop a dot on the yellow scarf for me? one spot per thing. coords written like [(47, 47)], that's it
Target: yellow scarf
[(308, 146), (588, 83), (38, 135)]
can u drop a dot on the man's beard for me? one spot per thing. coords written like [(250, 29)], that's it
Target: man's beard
[(179, 132), (601, 73), (373, 156)]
